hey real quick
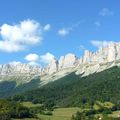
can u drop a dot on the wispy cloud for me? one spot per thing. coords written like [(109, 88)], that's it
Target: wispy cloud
[(97, 23), (66, 30), (99, 43), (82, 47), (14, 63), (47, 27), (106, 12), (63, 32)]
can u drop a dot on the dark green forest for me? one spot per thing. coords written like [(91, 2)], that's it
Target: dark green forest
[(74, 90), (10, 88), (10, 109)]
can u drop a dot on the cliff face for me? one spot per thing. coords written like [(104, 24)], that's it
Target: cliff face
[(70, 60), (89, 63), (104, 54), (19, 69)]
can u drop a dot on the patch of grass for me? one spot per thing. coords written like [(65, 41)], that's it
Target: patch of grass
[(65, 112), (108, 104), (99, 104), (46, 117), (30, 104), (61, 114), (115, 114), (26, 119), (96, 107)]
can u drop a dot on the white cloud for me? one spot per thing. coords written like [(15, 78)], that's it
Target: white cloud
[(106, 12), (33, 64), (46, 58), (32, 57), (20, 36), (36, 60), (66, 30), (47, 27), (99, 43), (14, 63), (82, 47), (97, 23), (9, 46), (63, 32)]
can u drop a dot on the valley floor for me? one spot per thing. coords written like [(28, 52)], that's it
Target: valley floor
[(66, 113)]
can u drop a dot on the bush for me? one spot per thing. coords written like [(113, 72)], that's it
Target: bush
[(36, 110), (13, 110), (4, 115), (22, 112), (48, 113), (90, 112), (49, 105), (107, 111)]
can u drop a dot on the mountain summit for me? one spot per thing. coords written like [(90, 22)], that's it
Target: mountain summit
[(89, 63)]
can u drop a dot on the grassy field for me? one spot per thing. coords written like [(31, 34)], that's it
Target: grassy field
[(66, 113), (115, 114), (58, 113), (30, 104), (26, 119), (98, 104), (61, 114)]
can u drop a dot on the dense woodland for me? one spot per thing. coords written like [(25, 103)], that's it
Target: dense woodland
[(10, 109), (74, 90)]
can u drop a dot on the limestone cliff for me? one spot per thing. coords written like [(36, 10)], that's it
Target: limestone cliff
[(89, 63)]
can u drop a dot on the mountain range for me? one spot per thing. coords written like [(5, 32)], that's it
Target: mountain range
[(19, 78)]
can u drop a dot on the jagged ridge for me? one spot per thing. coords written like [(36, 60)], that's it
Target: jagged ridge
[(104, 58)]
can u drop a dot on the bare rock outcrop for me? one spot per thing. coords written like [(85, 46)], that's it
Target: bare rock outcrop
[(52, 66), (68, 61), (89, 63)]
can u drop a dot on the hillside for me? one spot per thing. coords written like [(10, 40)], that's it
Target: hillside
[(74, 90), (10, 88), (16, 78)]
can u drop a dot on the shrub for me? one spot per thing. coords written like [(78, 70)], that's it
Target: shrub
[(48, 113)]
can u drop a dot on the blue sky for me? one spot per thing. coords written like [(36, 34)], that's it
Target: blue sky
[(71, 27)]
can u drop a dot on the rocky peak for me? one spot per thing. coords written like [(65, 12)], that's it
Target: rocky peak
[(103, 55), (67, 61), (87, 56), (61, 62), (112, 52), (52, 66), (9, 69)]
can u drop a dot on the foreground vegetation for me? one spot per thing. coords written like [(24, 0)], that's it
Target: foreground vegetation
[(71, 98), (10, 110)]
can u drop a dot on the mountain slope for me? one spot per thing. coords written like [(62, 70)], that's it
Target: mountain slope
[(74, 90), (10, 88), (18, 78)]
